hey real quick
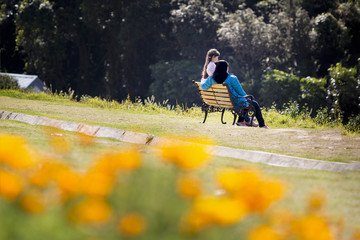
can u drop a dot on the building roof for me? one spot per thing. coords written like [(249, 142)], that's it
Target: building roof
[(28, 81)]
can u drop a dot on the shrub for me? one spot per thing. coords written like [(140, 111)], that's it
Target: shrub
[(8, 82), (279, 87), (344, 90), (313, 92), (354, 124)]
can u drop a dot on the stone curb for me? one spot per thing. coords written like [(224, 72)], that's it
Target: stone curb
[(144, 138)]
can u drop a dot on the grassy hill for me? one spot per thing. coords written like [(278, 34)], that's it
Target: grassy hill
[(289, 137), (298, 136)]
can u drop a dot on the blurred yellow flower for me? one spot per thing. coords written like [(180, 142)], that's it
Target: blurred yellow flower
[(266, 193), (86, 140), (120, 159), (187, 156), (281, 216), (14, 152), (69, 182), (264, 232), (45, 172), (281, 219), (209, 210), (189, 186), (249, 186), (60, 143), (311, 227), (237, 180), (316, 201), (97, 184), (32, 202), (356, 234), (10, 185), (91, 211), (131, 225)]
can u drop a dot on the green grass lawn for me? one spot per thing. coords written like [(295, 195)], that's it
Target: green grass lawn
[(342, 190), (310, 142)]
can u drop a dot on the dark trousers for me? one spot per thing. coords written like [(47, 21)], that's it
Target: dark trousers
[(258, 115)]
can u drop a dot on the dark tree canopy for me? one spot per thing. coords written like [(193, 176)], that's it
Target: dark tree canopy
[(120, 48)]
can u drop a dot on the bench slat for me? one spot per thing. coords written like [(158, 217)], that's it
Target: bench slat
[(218, 87), (215, 91), (217, 99), (218, 103), (214, 87), (206, 94)]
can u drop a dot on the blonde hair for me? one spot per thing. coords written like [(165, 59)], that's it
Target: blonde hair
[(211, 53)]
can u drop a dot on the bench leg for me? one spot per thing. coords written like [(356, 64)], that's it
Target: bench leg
[(206, 113), (222, 116), (235, 116)]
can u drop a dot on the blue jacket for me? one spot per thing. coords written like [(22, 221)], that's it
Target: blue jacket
[(234, 86)]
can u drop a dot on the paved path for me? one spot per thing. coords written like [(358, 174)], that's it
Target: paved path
[(144, 138)]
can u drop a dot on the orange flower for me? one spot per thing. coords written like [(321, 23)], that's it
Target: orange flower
[(187, 156), (86, 140), (356, 234), (189, 186), (32, 202), (131, 225), (10, 185), (208, 210), (14, 152), (69, 182), (46, 172), (311, 227), (91, 211), (60, 143), (249, 186), (316, 201), (264, 232), (113, 161), (97, 184), (281, 219)]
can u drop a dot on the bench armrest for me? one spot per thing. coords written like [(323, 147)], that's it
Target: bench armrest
[(249, 96)]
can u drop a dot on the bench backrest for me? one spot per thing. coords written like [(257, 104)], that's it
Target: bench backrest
[(217, 95)]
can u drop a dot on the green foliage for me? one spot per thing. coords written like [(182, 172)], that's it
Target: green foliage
[(173, 81), (353, 124), (331, 40), (324, 117), (8, 82), (344, 90), (313, 92), (279, 87), (194, 26)]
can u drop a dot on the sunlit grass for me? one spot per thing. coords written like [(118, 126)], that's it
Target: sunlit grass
[(119, 191), (289, 117)]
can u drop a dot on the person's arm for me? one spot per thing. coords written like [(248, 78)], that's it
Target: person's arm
[(237, 86), (210, 68), (207, 83)]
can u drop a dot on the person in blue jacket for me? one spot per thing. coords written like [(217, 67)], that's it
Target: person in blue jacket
[(221, 75)]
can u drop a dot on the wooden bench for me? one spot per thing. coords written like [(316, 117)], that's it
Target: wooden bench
[(219, 98)]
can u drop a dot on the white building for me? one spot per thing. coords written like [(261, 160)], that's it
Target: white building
[(28, 81)]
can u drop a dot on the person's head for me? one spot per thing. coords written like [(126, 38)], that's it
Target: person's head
[(211, 56), (221, 71)]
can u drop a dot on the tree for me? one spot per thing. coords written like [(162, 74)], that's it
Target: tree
[(314, 93), (344, 90), (349, 13), (303, 45), (256, 46), (173, 82), (10, 59), (331, 39), (141, 37), (280, 88)]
